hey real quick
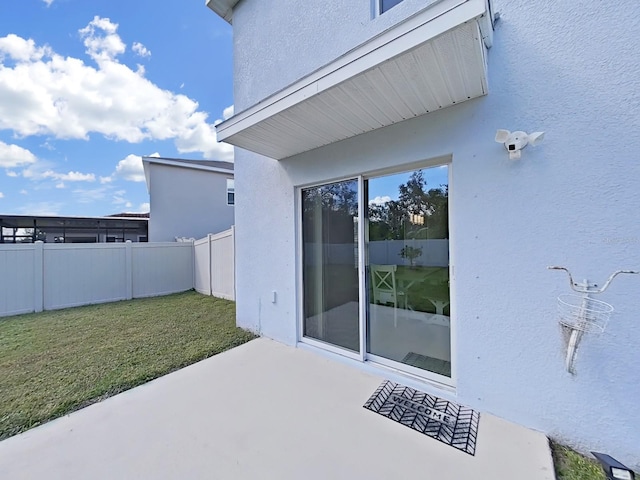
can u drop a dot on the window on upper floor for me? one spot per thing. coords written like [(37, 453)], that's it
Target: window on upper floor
[(384, 5), (231, 199)]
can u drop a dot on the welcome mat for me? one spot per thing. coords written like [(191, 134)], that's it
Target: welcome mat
[(435, 417), (431, 364)]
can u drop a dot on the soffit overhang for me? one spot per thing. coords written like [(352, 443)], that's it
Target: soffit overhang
[(223, 8), (433, 60)]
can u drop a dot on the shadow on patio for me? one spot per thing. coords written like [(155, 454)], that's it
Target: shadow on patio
[(261, 410)]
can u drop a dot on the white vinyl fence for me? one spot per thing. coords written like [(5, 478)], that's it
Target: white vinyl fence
[(45, 276), (215, 264), (434, 252)]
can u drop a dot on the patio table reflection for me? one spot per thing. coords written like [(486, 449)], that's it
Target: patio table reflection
[(425, 283)]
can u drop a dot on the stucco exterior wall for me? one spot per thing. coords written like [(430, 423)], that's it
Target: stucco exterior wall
[(569, 69), (187, 203), (277, 43)]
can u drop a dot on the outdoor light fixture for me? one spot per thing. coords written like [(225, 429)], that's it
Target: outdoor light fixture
[(613, 469), (416, 219), (514, 142)]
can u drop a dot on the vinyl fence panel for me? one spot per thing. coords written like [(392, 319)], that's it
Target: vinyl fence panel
[(202, 265), (215, 264), (46, 276), (17, 279), (81, 274), (161, 268), (223, 265)]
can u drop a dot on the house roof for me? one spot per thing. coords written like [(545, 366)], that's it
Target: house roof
[(215, 166), (183, 162), (430, 61), (224, 8), (129, 215), (72, 223)]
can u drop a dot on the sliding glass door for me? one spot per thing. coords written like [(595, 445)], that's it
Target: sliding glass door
[(330, 264), (408, 320), (395, 310)]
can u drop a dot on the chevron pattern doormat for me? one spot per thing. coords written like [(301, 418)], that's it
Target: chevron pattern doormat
[(445, 421)]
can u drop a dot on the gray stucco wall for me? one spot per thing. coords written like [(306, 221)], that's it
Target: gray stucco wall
[(569, 69), (187, 203)]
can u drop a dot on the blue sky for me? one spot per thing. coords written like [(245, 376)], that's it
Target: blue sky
[(383, 189), (87, 87)]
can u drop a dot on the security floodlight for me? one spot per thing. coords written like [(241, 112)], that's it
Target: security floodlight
[(514, 142), (613, 469)]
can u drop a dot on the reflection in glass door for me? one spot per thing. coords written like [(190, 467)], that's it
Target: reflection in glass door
[(408, 318), (330, 264)]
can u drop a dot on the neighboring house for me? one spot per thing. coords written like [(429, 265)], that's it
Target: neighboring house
[(113, 228), (189, 198), (367, 149)]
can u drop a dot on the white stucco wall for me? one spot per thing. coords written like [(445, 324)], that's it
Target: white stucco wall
[(569, 69), (187, 202), (277, 43)]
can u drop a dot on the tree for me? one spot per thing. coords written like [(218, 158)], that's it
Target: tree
[(411, 253), (392, 220)]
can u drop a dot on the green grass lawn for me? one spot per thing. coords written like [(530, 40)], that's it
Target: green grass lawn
[(54, 362), (573, 466)]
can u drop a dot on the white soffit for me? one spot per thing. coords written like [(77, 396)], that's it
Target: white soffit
[(223, 8), (433, 60)]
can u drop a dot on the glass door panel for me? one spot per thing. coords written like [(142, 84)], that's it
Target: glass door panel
[(408, 269), (330, 264)]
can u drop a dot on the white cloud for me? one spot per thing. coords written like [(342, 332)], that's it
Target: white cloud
[(41, 208), (102, 42), (118, 198), (15, 156), (42, 171), (155, 155), (130, 168), (35, 171), (227, 112), (21, 50), (128, 205), (23, 192), (90, 195), (380, 200), (11, 173), (144, 208), (70, 177), (48, 94), (1, 195), (48, 2), (104, 180), (140, 49)]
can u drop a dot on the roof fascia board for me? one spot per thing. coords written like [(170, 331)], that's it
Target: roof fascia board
[(425, 25), (193, 166), (70, 217), (147, 175), (486, 25)]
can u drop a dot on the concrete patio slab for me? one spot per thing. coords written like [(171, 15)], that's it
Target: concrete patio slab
[(264, 411)]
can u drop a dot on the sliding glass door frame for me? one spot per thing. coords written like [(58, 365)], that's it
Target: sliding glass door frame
[(300, 273), (362, 264), (362, 231)]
